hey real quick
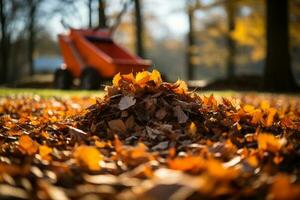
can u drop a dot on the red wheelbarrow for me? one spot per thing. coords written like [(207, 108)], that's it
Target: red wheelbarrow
[(92, 55)]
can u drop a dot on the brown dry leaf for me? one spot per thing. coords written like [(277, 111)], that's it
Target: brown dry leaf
[(117, 125), (27, 145), (126, 102), (161, 113), (268, 142), (88, 156), (130, 122), (181, 116)]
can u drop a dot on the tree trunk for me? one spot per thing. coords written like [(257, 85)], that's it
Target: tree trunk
[(230, 10), (4, 45), (31, 34), (101, 14), (278, 74), (139, 29), (190, 45), (90, 13)]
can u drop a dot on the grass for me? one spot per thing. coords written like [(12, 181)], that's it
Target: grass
[(49, 92), (99, 93)]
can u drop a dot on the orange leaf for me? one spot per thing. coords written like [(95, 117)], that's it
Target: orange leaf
[(88, 156), (270, 118), (27, 145), (256, 116), (268, 142), (44, 151), (190, 163), (128, 77)]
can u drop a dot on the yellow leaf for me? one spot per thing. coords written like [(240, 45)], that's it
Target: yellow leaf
[(142, 78), (182, 87), (156, 77), (44, 151), (264, 105), (116, 79), (192, 129), (249, 108), (88, 156)]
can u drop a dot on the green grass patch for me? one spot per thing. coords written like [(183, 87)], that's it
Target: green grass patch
[(49, 92)]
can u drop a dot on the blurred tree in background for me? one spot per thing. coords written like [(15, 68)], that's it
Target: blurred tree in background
[(213, 39)]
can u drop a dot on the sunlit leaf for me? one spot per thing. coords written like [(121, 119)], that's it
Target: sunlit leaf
[(88, 156), (27, 145)]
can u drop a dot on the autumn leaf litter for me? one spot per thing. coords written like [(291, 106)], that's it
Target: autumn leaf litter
[(149, 139)]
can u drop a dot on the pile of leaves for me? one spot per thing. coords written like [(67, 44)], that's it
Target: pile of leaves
[(150, 139)]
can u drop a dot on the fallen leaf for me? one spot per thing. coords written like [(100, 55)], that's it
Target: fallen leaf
[(27, 145), (126, 102), (88, 156), (117, 125), (192, 129), (44, 151), (268, 142), (116, 79), (142, 78), (156, 77), (181, 87), (181, 116)]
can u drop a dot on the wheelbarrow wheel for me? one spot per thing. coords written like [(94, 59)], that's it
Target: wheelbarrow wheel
[(62, 79), (90, 79)]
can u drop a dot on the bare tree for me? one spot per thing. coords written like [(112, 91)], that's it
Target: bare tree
[(230, 10), (8, 17), (32, 23), (101, 14), (90, 12), (139, 28), (4, 43), (190, 42), (278, 72)]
